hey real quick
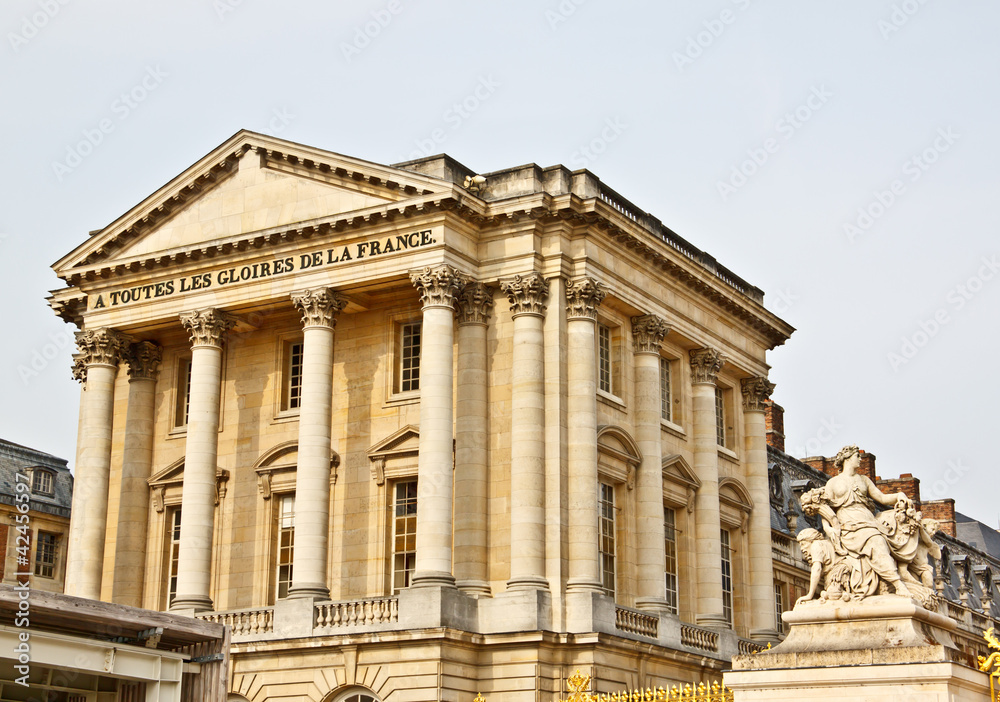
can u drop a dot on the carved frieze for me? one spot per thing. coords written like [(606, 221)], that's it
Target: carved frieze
[(583, 297), (527, 294), (648, 332)]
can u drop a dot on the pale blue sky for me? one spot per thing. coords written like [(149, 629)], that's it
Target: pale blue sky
[(889, 94)]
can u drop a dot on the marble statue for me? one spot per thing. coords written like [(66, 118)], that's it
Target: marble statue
[(865, 552)]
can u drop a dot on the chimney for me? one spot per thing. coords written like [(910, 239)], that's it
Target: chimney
[(943, 511), (867, 467), (906, 484), (774, 420), (822, 464)]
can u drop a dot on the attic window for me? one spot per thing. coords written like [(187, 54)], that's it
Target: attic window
[(42, 482)]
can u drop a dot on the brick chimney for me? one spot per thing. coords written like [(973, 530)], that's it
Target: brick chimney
[(867, 467), (822, 464), (943, 511), (826, 465), (774, 420), (905, 483)]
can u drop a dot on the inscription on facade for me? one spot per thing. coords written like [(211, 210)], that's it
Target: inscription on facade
[(264, 269)]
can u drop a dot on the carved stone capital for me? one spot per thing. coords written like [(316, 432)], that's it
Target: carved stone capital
[(438, 286), (756, 391), (583, 297), (144, 360), (103, 346), (648, 332), (527, 294), (319, 307), (475, 303), (207, 327), (705, 365)]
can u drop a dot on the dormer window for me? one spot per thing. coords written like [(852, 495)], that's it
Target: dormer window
[(42, 482)]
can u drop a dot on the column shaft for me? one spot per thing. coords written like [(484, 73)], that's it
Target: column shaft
[(137, 461), (194, 563), (471, 442), (705, 365), (647, 333)]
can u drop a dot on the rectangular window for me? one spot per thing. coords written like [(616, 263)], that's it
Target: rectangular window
[(665, 399), (45, 555), (670, 541), (183, 392), (404, 534), (409, 357), (292, 392), (41, 482), (175, 551), (727, 576), (286, 545), (779, 607), (607, 538), (604, 358), (720, 417)]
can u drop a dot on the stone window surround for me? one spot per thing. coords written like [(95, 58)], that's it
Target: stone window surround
[(617, 397), (173, 396), (393, 342), (282, 349)]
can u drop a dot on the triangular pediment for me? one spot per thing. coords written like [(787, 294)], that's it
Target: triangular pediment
[(403, 441), (248, 184), (678, 470)]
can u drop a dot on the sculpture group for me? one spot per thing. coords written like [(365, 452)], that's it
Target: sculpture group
[(863, 552)]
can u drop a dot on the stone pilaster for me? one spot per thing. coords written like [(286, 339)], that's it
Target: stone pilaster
[(312, 477), (648, 332), (96, 364), (472, 431), (583, 297), (527, 296), (438, 288), (756, 392), (705, 366), (137, 459), (207, 329)]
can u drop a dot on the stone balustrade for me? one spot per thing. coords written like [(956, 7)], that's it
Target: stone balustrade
[(244, 622), (633, 621), (696, 637), (333, 615)]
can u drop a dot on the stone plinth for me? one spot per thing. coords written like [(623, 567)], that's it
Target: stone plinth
[(887, 648)]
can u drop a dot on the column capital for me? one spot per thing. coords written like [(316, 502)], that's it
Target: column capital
[(144, 360), (475, 303), (756, 391), (207, 327), (648, 331), (527, 294), (705, 365), (438, 285), (319, 306), (583, 296), (103, 346)]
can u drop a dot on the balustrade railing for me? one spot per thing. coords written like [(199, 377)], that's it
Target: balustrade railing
[(696, 637), (634, 622), (378, 610), (245, 622)]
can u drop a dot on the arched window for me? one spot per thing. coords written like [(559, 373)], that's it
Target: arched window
[(352, 694)]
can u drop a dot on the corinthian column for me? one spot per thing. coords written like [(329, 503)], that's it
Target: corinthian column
[(312, 476), (647, 334), (582, 299), (705, 366), (475, 303), (756, 392), (438, 287), (194, 565), (527, 295), (137, 460), (97, 366)]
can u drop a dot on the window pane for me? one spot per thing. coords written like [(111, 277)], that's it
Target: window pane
[(665, 406), (175, 549), (295, 375), (286, 545), (604, 358), (727, 577), (607, 538), (720, 417), (409, 371), (45, 554), (404, 534), (670, 533)]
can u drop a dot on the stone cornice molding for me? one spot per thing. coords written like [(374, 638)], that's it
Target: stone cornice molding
[(705, 365), (583, 297), (756, 392), (144, 359), (648, 332), (319, 307), (475, 303), (438, 285), (527, 294), (98, 347), (207, 327)]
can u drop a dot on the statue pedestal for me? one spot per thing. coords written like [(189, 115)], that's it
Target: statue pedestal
[(887, 648)]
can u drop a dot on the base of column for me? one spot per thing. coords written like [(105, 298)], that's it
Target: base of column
[(583, 585), (314, 591), (656, 605), (475, 588), (764, 635), (528, 582), (712, 621), (197, 603), (432, 578)]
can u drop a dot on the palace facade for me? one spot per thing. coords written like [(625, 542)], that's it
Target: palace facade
[(416, 433)]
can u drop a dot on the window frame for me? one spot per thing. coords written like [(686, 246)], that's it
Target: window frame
[(726, 544), (409, 555), (182, 392), (671, 553), (393, 367), (607, 535), (613, 392), (172, 552), (291, 392), (285, 524), (49, 541), (39, 474)]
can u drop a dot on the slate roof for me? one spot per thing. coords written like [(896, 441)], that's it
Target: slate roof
[(15, 458)]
